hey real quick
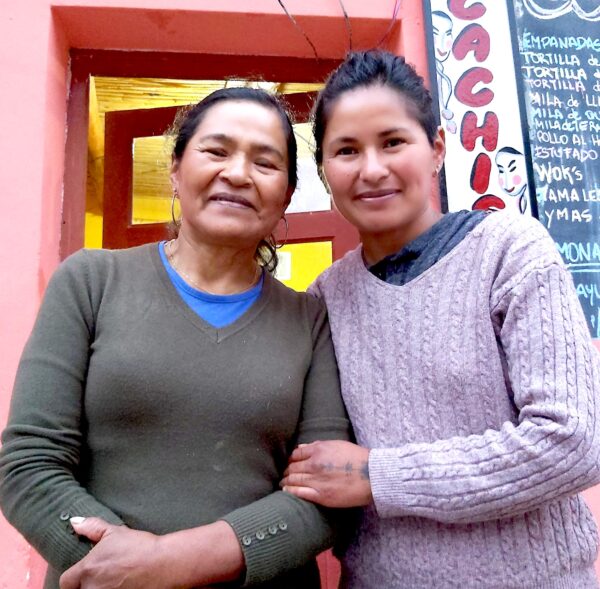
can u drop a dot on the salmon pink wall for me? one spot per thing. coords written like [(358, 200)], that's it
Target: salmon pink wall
[(32, 115), (35, 37)]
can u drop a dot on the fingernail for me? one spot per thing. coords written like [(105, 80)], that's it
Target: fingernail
[(77, 519)]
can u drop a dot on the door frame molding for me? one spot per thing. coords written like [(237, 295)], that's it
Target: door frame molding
[(143, 64)]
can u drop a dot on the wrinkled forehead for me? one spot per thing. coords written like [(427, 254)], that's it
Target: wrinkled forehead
[(243, 121)]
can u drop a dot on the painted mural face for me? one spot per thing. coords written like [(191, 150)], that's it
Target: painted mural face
[(442, 36), (232, 178), (512, 172), (379, 164)]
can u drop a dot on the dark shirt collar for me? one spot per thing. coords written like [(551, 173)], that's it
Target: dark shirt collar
[(426, 249)]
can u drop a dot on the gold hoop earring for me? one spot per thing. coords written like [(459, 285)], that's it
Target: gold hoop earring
[(175, 195)]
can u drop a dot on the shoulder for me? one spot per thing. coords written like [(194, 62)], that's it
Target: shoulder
[(89, 269), (100, 261), (99, 257), (517, 246), (511, 230), (516, 241), (293, 300), (343, 270), (91, 259), (301, 313)]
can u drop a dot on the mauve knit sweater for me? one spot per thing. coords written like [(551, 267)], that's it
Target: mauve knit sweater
[(476, 386)]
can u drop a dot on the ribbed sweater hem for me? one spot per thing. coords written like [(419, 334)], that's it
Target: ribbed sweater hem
[(579, 579), (583, 578)]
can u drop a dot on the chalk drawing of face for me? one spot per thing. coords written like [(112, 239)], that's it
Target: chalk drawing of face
[(442, 35), (512, 174)]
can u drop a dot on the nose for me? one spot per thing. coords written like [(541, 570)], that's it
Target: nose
[(508, 183), (236, 170), (373, 167)]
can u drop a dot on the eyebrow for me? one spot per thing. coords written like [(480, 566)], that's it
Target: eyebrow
[(385, 133), (260, 147)]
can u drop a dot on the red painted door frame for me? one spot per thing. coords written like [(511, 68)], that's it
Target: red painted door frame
[(142, 64), (122, 127), (303, 227)]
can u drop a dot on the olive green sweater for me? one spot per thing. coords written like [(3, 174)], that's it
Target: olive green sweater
[(128, 406)]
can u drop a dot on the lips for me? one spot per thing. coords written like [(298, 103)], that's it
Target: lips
[(375, 195), (229, 199)]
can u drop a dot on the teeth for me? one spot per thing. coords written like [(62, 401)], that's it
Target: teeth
[(235, 200)]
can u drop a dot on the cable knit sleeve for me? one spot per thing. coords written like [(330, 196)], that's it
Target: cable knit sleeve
[(551, 450), (43, 441)]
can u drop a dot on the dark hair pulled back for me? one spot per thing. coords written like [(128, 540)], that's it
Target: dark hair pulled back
[(371, 68), (188, 120)]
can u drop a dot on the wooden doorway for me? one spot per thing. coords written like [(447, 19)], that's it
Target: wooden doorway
[(305, 227), (121, 131)]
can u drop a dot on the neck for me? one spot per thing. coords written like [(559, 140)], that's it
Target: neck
[(377, 246), (211, 268)]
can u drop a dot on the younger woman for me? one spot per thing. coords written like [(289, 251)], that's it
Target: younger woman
[(465, 362)]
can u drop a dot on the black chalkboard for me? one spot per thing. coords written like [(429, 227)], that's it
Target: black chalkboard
[(559, 53)]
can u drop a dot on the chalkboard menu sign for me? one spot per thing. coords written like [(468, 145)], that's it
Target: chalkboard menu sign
[(559, 51)]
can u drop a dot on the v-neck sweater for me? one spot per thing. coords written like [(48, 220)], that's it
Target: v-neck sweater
[(477, 388), (217, 309), (129, 406), (428, 248)]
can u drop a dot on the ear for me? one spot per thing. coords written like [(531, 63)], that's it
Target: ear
[(174, 175), (288, 195), (439, 148)]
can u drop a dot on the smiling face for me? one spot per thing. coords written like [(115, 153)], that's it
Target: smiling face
[(512, 172), (232, 179), (442, 36), (380, 167)]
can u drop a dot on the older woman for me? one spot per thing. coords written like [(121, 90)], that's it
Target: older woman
[(163, 386)]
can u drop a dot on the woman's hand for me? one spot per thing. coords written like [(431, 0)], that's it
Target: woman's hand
[(332, 473), (121, 557), (130, 559)]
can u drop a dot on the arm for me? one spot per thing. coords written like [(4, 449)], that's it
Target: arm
[(137, 560), (42, 448), (43, 440), (265, 538), (280, 531), (550, 453), (552, 450)]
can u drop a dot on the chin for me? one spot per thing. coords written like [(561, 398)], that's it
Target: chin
[(375, 229)]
